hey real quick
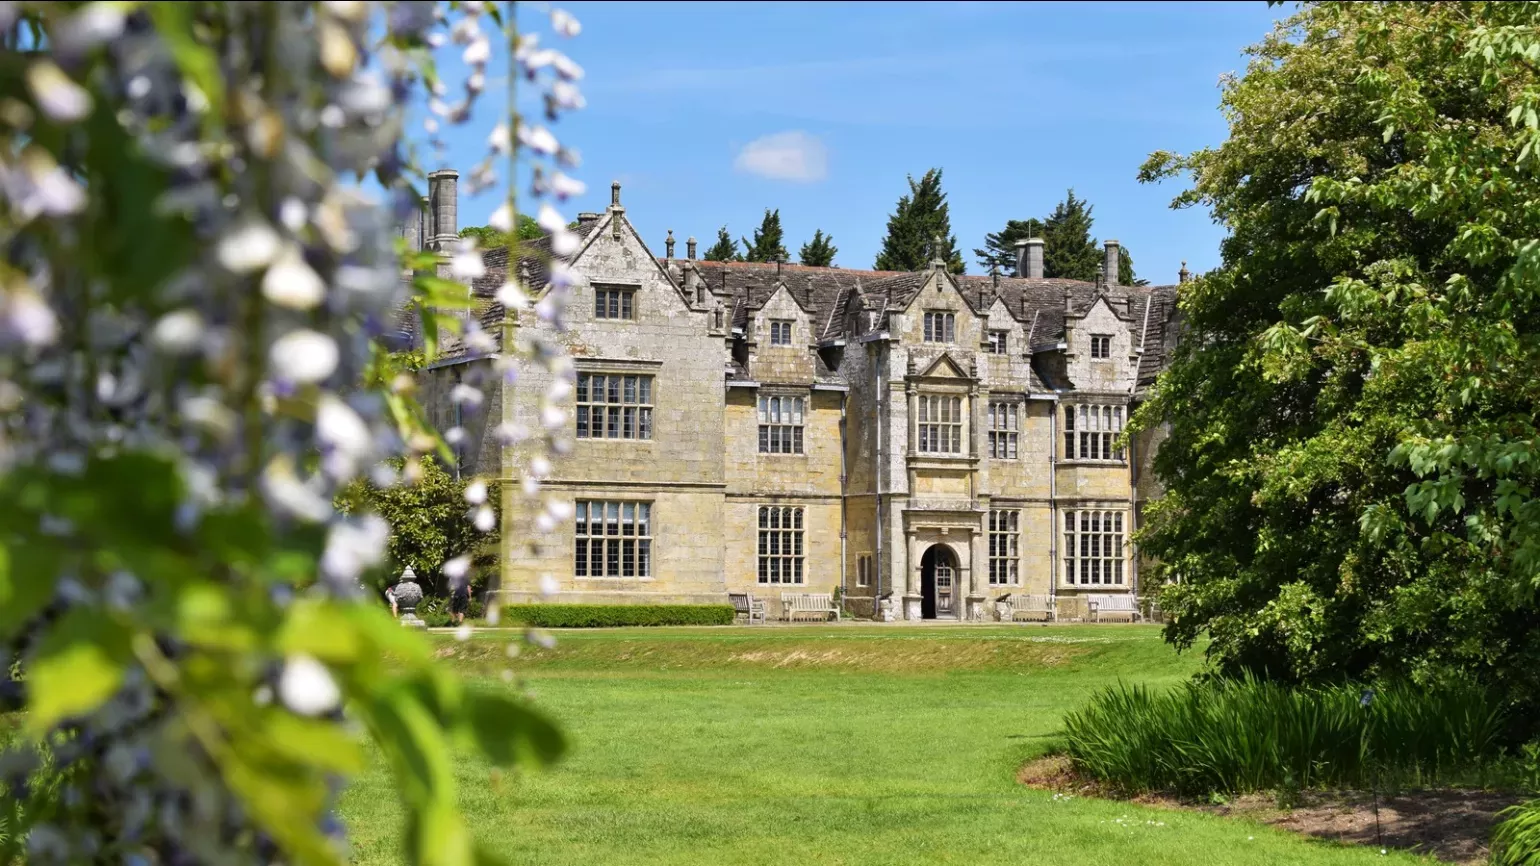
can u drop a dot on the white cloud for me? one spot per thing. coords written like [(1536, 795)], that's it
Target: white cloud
[(795, 156)]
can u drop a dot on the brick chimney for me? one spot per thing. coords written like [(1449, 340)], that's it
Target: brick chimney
[(1029, 258), (1111, 259), (443, 190)]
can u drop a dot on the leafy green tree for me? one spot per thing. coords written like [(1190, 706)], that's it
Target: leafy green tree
[(724, 250), (999, 249), (1069, 251), (767, 244), (1351, 467), (818, 252), (430, 521), (920, 217), (490, 238)]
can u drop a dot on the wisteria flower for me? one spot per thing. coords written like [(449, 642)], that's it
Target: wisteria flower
[(303, 357), (56, 93), (306, 687), (291, 282)]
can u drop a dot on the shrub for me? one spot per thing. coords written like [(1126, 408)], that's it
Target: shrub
[(1236, 736), (613, 615), (1516, 841)]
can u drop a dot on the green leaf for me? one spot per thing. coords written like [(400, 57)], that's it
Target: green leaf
[(314, 742), (173, 21), (20, 600), (511, 732), (79, 665)]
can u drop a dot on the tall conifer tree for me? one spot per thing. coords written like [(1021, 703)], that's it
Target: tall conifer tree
[(766, 246), (724, 250), (919, 218), (818, 252)]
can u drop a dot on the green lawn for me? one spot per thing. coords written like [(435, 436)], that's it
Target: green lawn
[(856, 744)]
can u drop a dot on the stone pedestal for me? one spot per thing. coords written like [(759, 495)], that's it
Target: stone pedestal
[(912, 607), (1003, 611), (886, 611), (977, 610)]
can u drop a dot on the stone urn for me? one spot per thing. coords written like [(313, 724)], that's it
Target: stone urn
[(408, 596)]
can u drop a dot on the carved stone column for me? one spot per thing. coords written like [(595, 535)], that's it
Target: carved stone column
[(912, 609), (979, 553)]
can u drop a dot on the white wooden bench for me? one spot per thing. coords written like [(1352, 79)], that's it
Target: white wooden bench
[(1032, 608), (819, 604), (1116, 606), (747, 607)]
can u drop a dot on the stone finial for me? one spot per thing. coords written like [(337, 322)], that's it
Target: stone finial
[(1130, 301), (779, 260), (1183, 275), (1101, 276), (1069, 302), (668, 245), (935, 251), (994, 276), (615, 194), (689, 247)]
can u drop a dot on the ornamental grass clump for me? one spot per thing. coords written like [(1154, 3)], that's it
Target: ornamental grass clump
[(1238, 736)]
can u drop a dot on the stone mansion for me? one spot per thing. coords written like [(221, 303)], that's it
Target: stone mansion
[(932, 439)]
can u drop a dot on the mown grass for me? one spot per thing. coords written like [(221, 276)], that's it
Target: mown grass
[(847, 745), (1249, 735)]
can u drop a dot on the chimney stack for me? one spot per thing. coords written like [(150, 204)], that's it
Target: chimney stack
[(1069, 304), (1182, 275), (1029, 258), (668, 245), (689, 247), (443, 190), (1112, 262)]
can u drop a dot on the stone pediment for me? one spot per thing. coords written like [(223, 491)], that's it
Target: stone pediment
[(945, 367)]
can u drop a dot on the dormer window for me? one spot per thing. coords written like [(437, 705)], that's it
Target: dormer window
[(780, 333), (1101, 346), (940, 327), (995, 342)]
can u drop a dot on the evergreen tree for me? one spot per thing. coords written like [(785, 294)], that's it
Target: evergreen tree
[(766, 246), (725, 249), (818, 252), (920, 217), (1069, 251), (1126, 275), (1000, 247)]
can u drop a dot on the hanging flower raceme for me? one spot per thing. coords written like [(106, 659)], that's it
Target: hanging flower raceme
[(191, 308)]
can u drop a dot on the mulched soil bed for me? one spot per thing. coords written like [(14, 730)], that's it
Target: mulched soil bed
[(1452, 825)]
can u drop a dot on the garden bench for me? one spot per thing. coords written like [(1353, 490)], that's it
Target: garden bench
[(1114, 606), (747, 607), (1032, 608), (820, 604)]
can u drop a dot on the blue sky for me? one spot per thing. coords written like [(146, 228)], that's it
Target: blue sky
[(707, 113)]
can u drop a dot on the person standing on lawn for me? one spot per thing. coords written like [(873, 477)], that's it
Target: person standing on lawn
[(460, 601), (390, 596)]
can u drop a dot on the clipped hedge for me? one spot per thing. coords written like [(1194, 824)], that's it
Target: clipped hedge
[(614, 615)]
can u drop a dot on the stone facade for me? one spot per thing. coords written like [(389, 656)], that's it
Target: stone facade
[(919, 443)]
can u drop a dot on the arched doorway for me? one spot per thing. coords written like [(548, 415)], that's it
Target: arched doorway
[(938, 583)]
